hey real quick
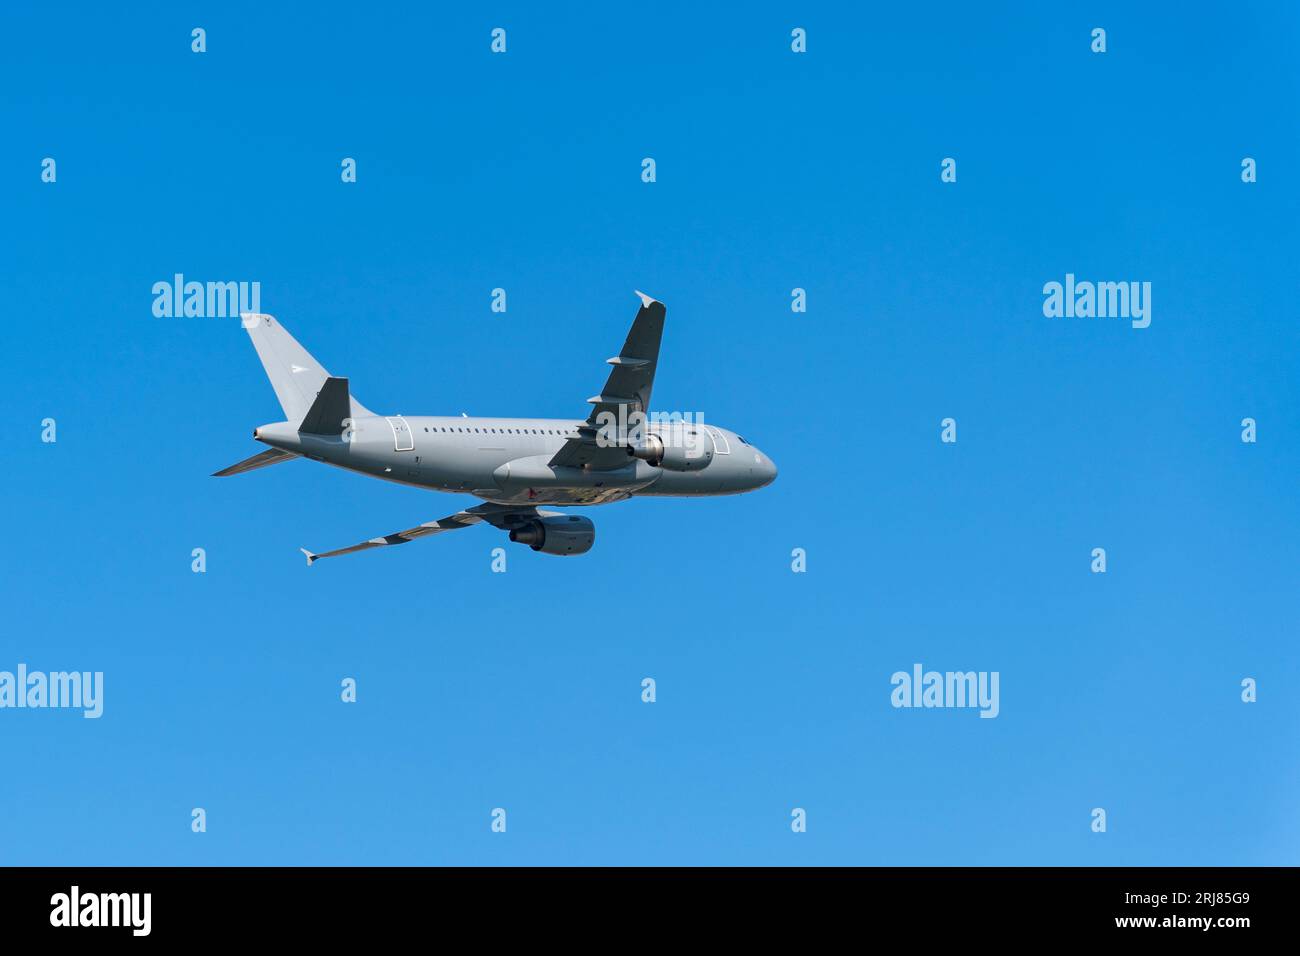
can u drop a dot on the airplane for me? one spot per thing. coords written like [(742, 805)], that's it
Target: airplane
[(515, 465)]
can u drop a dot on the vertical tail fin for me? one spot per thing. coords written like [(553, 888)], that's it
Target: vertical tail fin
[(294, 374)]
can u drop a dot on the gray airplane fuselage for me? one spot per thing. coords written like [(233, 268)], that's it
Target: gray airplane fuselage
[(506, 460)]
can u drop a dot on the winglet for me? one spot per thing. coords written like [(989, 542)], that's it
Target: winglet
[(310, 557), (646, 301)]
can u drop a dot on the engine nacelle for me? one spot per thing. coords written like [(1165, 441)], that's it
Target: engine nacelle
[(693, 454), (557, 534)]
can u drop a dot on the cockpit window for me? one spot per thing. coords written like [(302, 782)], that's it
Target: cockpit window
[(742, 440)]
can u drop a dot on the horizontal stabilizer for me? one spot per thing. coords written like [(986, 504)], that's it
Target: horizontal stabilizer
[(330, 409), (272, 457)]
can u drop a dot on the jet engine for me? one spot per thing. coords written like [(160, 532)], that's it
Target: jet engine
[(557, 534), (690, 455)]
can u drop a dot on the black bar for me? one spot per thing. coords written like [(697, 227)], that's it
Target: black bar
[(332, 905)]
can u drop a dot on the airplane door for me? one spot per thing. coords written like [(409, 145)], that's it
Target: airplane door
[(403, 440)]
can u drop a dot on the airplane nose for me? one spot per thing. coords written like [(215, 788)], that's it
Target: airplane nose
[(765, 470)]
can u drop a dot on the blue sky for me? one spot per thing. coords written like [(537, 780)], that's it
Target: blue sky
[(774, 171)]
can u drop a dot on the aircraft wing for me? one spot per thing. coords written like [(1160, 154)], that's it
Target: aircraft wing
[(504, 517), (626, 390)]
